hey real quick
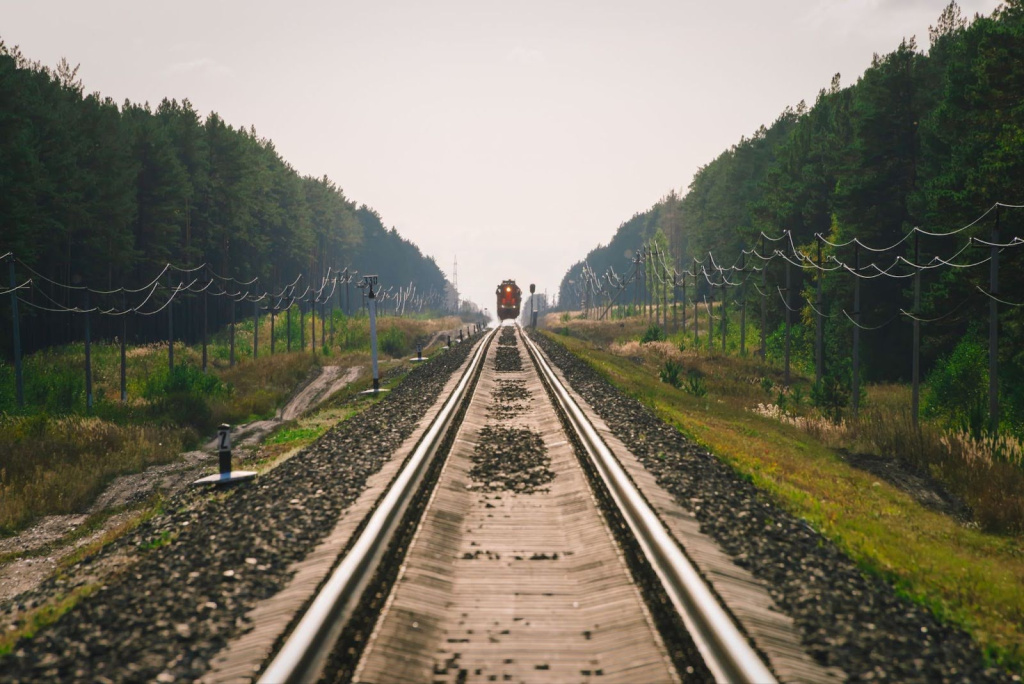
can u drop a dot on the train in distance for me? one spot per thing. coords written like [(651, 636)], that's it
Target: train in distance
[(510, 297)]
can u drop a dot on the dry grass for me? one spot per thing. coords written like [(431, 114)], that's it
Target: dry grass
[(59, 465)]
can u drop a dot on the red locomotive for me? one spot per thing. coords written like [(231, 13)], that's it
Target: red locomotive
[(509, 299)]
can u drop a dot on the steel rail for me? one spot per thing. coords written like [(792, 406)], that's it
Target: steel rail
[(726, 651), (307, 648)]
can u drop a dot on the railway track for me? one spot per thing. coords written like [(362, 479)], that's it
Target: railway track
[(513, 546), (518, 553)]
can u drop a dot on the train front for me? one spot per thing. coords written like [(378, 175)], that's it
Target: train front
[(509, 299)]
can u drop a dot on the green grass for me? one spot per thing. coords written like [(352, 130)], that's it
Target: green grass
[(295, 435), (972, 578)]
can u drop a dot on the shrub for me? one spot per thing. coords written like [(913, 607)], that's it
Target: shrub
[(695, 383), (830, 395), (670, 373), (958, 388), (57, 389), (653, 333), (181, 395), (392, 342)]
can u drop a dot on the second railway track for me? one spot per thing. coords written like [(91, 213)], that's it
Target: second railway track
[(511, 571)]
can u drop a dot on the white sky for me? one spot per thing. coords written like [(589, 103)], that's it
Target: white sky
[(513, 135)]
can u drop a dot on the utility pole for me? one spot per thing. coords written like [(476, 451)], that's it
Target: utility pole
[(856, 329), (743, 306), (19, 381), (789, 316), (819, 365), (993, 332), (916, 373), (764, 303)]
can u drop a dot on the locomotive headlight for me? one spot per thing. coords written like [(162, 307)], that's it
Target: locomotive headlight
[(508, 289)]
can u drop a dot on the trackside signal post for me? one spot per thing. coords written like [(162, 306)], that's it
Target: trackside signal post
[(368, 284), (533, 306)]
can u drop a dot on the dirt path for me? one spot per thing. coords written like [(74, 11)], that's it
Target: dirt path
[(26, 573), (330, 380)]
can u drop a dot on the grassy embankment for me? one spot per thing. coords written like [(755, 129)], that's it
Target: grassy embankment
[(56, 457), (968, 574)]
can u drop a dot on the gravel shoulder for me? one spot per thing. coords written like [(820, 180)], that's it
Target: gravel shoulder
[(856, 623), (159, 602)]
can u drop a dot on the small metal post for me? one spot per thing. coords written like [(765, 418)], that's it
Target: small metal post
[(19, 381), (224, 448), (419, 351), (225, 475), (449, 341), (88, 356)]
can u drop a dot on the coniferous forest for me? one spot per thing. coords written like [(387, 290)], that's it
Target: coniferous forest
[(97, 194), (925, 138)]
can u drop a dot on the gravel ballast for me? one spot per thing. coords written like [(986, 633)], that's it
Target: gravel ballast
[(193, 572), (856, 623)]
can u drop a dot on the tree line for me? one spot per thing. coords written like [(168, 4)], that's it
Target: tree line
[(104, 195), (927, 139)]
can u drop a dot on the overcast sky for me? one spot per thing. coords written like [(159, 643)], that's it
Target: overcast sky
[(514, 136)]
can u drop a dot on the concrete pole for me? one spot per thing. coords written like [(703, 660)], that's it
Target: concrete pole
[(993, 333), (373, 337)]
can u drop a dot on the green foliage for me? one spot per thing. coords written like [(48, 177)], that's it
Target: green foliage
[(831, 396), (185, 379), (102, 192), (182, 395), (767, 384), (671, 372), (393, 342), (927, 138), (696, 384), (654, 333), (958, 388)]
